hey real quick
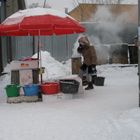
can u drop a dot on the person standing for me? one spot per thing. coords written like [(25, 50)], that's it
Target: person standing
[(88, 66)]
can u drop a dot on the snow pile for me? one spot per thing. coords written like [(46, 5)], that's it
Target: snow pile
[(53, 68)]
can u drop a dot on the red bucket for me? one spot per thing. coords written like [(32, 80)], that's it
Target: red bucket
[(50, 88)]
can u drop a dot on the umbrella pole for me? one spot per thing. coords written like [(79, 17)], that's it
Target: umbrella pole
[(41, 78), (39, 66), (38, 52), (39, 58)]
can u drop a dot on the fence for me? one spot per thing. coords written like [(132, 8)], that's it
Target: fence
[(60, 47)]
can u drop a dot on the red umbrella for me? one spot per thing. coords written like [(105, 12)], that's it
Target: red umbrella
[(40, 21)]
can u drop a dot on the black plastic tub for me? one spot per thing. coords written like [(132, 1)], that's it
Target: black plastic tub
[(69, 86)]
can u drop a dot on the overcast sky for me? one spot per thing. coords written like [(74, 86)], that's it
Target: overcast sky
[(62, 4), (55, 4)]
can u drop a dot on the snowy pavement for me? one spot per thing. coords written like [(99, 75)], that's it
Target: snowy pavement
[(108, 112)]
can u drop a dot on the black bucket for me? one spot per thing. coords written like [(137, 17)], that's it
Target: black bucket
[(99, 81)]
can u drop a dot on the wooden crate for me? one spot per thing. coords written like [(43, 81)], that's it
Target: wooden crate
[(76, 63), (133, 54), (119, 54)]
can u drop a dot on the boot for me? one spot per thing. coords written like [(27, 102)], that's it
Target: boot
[(90, 86), (93, 78), (84, 83)]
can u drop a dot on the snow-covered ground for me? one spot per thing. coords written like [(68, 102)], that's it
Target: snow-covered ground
[(108, 112)]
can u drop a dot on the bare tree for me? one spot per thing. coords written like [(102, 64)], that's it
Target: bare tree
[(47, 5)]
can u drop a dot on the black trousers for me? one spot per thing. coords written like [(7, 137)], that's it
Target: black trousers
[(88, 71)]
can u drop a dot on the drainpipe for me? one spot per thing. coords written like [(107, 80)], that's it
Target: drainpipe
[(2, 17), (1, 68), (139, 46)]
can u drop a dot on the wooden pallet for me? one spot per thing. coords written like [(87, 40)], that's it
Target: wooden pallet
[(21, 99)]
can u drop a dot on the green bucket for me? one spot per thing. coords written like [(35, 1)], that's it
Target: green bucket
[(12, 90)]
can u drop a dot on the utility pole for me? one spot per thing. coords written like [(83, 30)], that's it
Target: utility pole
[(139, 46), (44, 3)]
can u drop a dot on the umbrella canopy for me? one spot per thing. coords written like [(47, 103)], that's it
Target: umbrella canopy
[(40, 21)]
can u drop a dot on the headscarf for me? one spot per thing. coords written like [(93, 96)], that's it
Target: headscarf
[(84, 40)]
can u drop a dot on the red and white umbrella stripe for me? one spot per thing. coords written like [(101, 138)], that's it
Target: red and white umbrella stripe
[(40, 21)]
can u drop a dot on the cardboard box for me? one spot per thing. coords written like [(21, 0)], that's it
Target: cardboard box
[(30, 64)]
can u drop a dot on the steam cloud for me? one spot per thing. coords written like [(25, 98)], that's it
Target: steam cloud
[(107, 29), (104, 31)]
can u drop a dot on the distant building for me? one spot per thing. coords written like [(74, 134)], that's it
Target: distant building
[(84, 12)]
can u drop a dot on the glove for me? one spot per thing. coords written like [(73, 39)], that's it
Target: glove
[(79, 49), (92, 69)]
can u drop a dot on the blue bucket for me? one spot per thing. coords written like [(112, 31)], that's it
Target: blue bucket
[(31, 90)]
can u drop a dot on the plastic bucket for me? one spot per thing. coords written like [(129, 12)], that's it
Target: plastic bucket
[(31, 90), (12, 90), (49, 88), (99, 81), (69, 86)]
